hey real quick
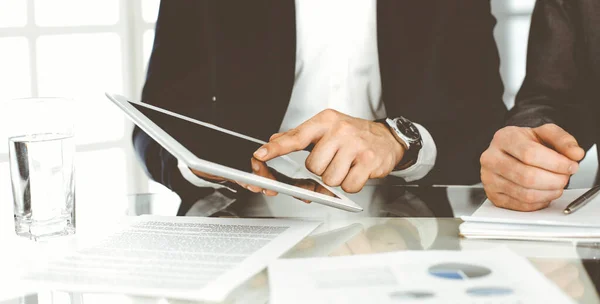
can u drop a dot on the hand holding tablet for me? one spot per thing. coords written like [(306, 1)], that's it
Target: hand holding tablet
[(213, 151), (259, 168)]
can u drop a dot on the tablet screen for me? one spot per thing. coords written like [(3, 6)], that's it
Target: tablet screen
[(222, 148)]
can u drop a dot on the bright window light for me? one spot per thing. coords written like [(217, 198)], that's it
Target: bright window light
[(14, 68), (150, 10), (76, 12), (84, 66), (13, 13)]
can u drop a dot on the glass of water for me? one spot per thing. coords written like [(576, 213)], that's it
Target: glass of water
[(41, 151)]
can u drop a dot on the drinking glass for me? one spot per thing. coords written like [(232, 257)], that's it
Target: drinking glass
[(41, 152)]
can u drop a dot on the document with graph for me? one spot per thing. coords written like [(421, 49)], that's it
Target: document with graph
[(487, 276)]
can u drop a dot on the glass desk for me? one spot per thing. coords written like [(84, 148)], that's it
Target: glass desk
[(395, 218)]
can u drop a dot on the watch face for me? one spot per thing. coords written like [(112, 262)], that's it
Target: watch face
[(407, 128)]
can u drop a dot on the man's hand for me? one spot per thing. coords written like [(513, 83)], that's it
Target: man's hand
[(347, 151), (258, 168), (525, 169)]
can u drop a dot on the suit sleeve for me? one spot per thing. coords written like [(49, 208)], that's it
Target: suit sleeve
[(175, 81), (550, 92), (470, 72)]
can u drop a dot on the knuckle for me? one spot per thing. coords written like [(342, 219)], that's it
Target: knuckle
[(350, 187), (361, 145), (487, 159), (344, 127), (552, 126), (367, 155), (274, 146), (331, 180), (504, 133), (566, 139), (329, 114), (380, 172), (483, 159), (485, 177), (313, 167), (295, 138), (293, 132), (498, 136), (548, 127), (496, 200)]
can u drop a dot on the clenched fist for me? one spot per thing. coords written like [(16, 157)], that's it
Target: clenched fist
[(525, 169)]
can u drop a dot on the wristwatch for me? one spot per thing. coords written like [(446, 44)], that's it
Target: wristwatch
[(407, 134)]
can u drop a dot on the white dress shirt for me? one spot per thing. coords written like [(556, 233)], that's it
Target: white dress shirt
[(337, 67)]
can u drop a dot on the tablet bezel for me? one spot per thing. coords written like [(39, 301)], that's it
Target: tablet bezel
[(183, 154)]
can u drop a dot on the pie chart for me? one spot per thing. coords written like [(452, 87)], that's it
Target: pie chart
[(489, 291), (458, 271), (411, 295)]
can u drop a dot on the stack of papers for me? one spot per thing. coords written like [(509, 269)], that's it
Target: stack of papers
[(490, 276), (550, 224), (201, 259)]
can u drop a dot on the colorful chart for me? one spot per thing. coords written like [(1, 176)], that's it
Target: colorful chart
[(458, 271), (411, 295)]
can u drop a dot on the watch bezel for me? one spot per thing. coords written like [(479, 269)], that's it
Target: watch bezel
[(398, 125)]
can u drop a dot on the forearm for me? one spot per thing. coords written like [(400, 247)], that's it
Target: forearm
[(547, 94)]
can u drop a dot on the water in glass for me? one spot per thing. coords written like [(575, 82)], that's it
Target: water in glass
[(42, 175)]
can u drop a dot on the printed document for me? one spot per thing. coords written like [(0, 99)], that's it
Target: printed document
[(190, 258), (486, 276)]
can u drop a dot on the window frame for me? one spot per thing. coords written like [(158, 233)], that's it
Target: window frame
[(130, 27)]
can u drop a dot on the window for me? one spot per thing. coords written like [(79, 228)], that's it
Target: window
[(512, 32), (80, 49)]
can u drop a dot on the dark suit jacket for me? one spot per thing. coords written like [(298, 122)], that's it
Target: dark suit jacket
[(438, 60), (562, 84)]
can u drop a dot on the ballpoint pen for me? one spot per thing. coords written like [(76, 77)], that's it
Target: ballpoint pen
[(582, 200)]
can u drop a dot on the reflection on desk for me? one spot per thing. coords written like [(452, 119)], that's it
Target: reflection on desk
[(395, 218)]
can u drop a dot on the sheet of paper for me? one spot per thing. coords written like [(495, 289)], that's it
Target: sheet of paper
[(587, 216), (490, 276), (15, 257), (189, 258), (540, 250), (521, 231)]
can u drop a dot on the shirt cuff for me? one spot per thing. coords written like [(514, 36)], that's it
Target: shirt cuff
[(425, 159), (197, 181)]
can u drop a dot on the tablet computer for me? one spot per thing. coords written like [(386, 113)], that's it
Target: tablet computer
[(283, 175)]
